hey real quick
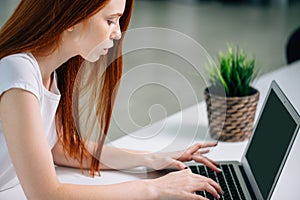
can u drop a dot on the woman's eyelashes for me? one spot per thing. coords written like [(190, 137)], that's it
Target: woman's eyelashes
[(112, 21)]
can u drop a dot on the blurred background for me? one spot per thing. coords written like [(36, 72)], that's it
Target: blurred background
[(260, 27)]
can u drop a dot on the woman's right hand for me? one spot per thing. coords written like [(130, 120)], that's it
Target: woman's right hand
[(183, 185)]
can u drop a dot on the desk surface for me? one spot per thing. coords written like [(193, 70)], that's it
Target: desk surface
[(187, 127)]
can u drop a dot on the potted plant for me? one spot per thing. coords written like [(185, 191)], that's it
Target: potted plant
[(231, 101)]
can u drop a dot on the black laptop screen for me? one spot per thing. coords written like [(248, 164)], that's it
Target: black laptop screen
[(277, 127)]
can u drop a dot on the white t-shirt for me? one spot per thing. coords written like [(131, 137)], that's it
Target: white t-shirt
[(22, 71)]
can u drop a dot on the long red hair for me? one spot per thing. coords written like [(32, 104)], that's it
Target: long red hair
[(36, 26)]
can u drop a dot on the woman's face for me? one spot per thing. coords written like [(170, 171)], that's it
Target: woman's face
[(95, 36)]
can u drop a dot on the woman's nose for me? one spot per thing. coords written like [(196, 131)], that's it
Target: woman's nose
[(116, 34)]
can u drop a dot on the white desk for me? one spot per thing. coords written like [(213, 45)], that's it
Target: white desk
[(189, 126)]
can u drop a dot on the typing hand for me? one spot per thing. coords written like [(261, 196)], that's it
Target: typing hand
[(183, 185), (195, 153)]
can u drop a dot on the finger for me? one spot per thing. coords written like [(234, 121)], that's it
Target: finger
[(202, 151), (205, 181), (209, 188), (212, 161), (208, 159), (194, 148), (201, 197), (195, 196), (198, 146), (207, 144), (211, 164), (214, 185), (178, 165)]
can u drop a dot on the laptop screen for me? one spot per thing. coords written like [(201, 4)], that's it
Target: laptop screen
[(277, 127)]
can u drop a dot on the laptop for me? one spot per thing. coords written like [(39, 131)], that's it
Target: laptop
[(256, 175)]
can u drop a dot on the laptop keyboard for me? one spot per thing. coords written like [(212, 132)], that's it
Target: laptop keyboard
[(227, 180)]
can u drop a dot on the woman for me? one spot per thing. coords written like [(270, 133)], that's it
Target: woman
[(42, 47)]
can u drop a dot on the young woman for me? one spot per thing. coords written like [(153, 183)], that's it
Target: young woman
[(42, 47)]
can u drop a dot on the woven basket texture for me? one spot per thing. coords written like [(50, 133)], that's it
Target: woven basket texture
[(231, 118)]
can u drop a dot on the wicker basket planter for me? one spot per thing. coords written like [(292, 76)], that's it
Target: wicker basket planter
[(231, 118)]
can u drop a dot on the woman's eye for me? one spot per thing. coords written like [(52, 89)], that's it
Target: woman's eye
[(109, 22)]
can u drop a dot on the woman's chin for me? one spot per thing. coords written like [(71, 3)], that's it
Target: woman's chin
[(93, 59)]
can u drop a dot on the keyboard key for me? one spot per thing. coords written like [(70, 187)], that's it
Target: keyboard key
[(211, 174), (231, 183), (201, 193), (194, 169), (202, 170), (209, 196), (242, 196), (223, 184)]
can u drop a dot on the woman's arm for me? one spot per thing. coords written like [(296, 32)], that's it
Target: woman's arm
[(31, 156), (157, 160), (32, 159), (111, 158), (118, 159)]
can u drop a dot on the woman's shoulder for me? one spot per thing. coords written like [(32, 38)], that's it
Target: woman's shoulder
[(19, 71), (20, 59), (21, 62)]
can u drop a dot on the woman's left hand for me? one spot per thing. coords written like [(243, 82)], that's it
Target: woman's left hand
[(162, 160)]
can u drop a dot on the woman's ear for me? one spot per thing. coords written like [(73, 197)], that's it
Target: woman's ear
[(70, 29)]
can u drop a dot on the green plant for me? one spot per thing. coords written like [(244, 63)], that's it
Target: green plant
[(233, 72)]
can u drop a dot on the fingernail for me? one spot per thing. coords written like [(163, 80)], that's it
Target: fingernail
[(219, 197), (222, 193)]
